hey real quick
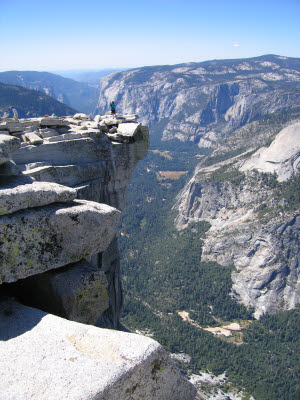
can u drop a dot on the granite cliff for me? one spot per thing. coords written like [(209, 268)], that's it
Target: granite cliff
[(231, 109), (252, 204), (63, 184), (204, 102)]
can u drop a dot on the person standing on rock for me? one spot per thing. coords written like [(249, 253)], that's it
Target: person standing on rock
[(15, 112), (113, 108)]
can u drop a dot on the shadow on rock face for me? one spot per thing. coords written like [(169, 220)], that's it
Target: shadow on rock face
[(15, 320), (12, 181)]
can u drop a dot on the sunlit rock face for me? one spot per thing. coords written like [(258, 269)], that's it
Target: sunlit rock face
[(253, 227), (204, 102), (60, 202), (37, 240), (62, 185), (52, 358), (282, 157)]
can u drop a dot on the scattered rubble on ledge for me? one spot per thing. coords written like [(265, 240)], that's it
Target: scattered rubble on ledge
[(35, 131)]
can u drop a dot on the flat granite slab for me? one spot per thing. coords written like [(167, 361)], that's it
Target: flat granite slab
[(39, 239), (46, 357), (35, 194)]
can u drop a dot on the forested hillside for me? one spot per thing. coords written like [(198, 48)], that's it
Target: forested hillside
[(30, 103), (77, 95), (163, 274)]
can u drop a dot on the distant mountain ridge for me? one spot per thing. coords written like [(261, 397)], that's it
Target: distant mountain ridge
[(203, 102), (80, 96), (30, 103), (88, 76)]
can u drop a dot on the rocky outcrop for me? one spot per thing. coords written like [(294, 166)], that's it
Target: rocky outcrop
[(281, 158), (254, 225), (43, 227), (57, 209), (7, 145), (34, 241), (20, 195), (59, 254), (81, 153)]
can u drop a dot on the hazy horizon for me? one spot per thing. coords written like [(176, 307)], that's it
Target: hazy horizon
[(91, 70), (58, 36)]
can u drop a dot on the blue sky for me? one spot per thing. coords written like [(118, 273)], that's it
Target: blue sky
[(90, 34)]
